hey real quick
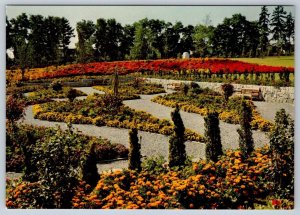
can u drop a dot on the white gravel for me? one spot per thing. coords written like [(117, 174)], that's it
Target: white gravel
[(156, 144)]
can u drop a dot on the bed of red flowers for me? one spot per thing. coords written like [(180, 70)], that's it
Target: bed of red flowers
[(194, 65)]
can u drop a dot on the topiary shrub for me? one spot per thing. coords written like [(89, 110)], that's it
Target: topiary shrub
[(212, 137), (56, 86), (134, 156), (245, 132), (228, 90), (89, 167), (177, 153), (71, 94), (282, 148)]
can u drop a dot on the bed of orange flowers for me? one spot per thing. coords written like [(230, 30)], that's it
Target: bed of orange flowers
[(229, 183)]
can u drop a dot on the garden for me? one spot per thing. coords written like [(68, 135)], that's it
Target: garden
[(150, 115)]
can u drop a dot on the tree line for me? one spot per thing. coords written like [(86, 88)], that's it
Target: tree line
[(39, 41)]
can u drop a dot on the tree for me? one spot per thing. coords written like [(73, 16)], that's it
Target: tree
[(289, 32), (202, 37), (228, 90), (278, 24), (263, 24), (85, 51), (58, 161), (212, 137), (115, 83), (66, 33), (245, 133), (15, 109), (71, 94), (177, 153), (146, 40), (134, 155), (126, 41), (282, 148), (89, 168)]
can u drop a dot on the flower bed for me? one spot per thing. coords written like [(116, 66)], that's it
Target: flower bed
[(177, 67), (29, 135), (229, 183), (201, 103), (92, 111)]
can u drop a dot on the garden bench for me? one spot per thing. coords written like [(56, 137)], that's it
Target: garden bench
[(254, 94), (174, 86)]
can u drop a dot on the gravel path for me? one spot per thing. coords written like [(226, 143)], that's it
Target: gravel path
[(156, 144), (152, 144), (268, 110), (195, 122)]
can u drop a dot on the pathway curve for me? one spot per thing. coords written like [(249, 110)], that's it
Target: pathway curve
[(195, 122), (268, 109), (156, 144), (152, 144)]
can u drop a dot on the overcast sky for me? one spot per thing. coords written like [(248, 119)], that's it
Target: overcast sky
[(129, 14)]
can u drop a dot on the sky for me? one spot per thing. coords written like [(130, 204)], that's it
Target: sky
[(129, 14)]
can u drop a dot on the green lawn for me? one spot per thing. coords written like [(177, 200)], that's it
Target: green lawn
[(287, 61)]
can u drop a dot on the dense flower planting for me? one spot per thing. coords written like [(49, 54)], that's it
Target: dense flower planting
[(196, 65), (93, 111), (26, 136), (200, 103), (228, 183)]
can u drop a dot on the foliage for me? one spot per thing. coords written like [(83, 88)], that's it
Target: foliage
[(282, 148), (177, 154), (134, 157), (56, 86), (89, 167), (228, 90), (93, 111), (155, 165), (15, 108), (212, 137), (201, 100), (71, 94), (246, 143)]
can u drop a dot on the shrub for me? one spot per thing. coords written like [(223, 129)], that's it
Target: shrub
[(56, 86), (115, 83), (110, 103), (227, 91), (212, 137), (134, 151), (14, 108), (177, 153), (282, 148), (89, 167), (71, 94), (245, 132), (58, 163), (155, 165), (184, 88)]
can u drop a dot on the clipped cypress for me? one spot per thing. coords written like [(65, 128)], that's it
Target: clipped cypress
[(282, 149), (246, 143), (177, 153), (89, 168), (115, 83), (212, 137), (134, 151)]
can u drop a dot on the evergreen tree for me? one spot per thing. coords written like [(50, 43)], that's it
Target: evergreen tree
[(245, 132), (177, 153), (263, 24), (89, 168), (282, 148), (289, 32), (212, 137), (134, 151), (115, 83), (278, 24)]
